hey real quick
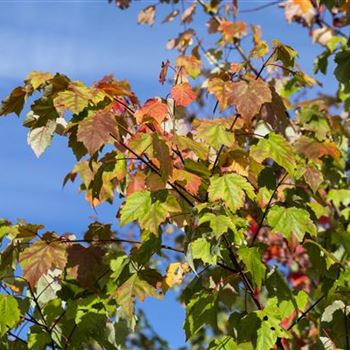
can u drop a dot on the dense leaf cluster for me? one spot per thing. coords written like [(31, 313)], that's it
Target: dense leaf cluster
[(237, 192)]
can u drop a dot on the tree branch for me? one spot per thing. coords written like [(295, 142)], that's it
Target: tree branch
[(267, 209), (241, 273), (305, 312)]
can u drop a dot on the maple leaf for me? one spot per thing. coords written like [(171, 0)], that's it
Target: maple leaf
[(313, 177), (231, 189), (84, 264), (275, 113), (186, 144), (251, 258), (291, 220), (220, 224), (183, 94), (10, 313), (40, 138), (131, 288), (232, 30), (95, 130), (41, 257), (214, 132), (249, 96), (153, 108), (278, 149), (147, 15), (193, 181), (222, 91), (37, 79), (14, 103), (313, 149), (191, 64), (299, 9), (201, 310), (161, 152)]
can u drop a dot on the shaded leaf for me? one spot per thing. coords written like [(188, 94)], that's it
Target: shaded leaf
[(251, 258), (14, 102)]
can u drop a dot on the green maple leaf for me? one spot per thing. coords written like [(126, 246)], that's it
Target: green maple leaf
[(341, 71), (231, 189), (251, 258), (201, 310), (135, 206), (291, 220), (39, 258), (218, 223), (214, 134), (278, 149), (10, 313), (270, 328), (95, 130), (147, 209), (201, 249)]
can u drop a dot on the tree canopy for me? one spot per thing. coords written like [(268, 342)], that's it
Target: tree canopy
[(235, 184)]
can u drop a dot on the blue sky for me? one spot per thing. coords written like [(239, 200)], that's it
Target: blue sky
[(86, 40)]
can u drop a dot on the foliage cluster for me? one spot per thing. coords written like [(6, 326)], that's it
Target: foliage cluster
[(236, 185)]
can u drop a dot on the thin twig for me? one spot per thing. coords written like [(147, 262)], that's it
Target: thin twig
[(16, 337), (267, 209), (305, 312), (261, 7), (241, 273)]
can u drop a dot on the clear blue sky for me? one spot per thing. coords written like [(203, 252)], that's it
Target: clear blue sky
[(86, 40)]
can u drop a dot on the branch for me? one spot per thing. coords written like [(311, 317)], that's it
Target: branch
[(16, 337), (241, 273), (261, 7), (150, 165), (305, 312), (267, 209), (265, 63), (45, 326)]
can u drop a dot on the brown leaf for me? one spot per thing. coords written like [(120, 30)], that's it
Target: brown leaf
[(147, 15), (313, 149), (164, 71), (249, 96), (42, 256), (94, 131), (275, 113), (84, 264)]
